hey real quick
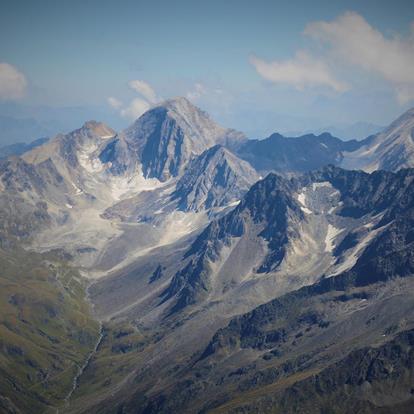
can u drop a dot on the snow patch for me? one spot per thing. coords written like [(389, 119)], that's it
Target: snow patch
[(302, 200), (78, 191), (331, 210), (179, 224), (121, 186), (90, 164), (353, 257), (306, 210), (234, 203), (330, 237)]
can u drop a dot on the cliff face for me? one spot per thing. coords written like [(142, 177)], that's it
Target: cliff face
[(167, 137), (216, 178)]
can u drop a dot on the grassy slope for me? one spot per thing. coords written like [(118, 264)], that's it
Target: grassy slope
[(118, 355), (46, 331)]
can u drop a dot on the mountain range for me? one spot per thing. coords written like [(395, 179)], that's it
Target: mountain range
[(20, 147), (358, 130), (179, 266)]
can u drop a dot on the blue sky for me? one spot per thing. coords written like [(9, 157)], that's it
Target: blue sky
[(259, 66)]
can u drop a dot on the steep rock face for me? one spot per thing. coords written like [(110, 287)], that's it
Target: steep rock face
[(214, 179), (263, 213), (368, 380), (159, 142), (362, 192), (391, 149), (23, 190), (19, 176), (390, 196), (19, 219), (167, 137)]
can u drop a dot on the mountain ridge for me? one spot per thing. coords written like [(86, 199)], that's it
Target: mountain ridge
[(215, 178)]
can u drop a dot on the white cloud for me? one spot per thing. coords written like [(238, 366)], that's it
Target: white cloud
[(114, 102), (144, 89), (135, 109), (351, 38), (138, 105), (404, 93), (197, 92), (207, 95), (300, 72), (12, 82), (348, 42)]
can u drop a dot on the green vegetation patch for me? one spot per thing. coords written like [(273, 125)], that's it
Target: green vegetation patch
[(46, 330)]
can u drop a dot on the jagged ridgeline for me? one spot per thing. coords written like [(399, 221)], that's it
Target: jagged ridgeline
[(178, 267)]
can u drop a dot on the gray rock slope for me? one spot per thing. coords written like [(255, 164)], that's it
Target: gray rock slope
[(391, 149), (45, 192), (215, 178), (23, 189)]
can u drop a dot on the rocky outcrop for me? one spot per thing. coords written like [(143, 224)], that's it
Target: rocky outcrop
[(264, 212), (369, 380), (216, 178)]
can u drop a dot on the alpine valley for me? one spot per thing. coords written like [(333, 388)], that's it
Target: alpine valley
[(179, 267)]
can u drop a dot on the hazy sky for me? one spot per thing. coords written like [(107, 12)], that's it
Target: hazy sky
[(259, 66)]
